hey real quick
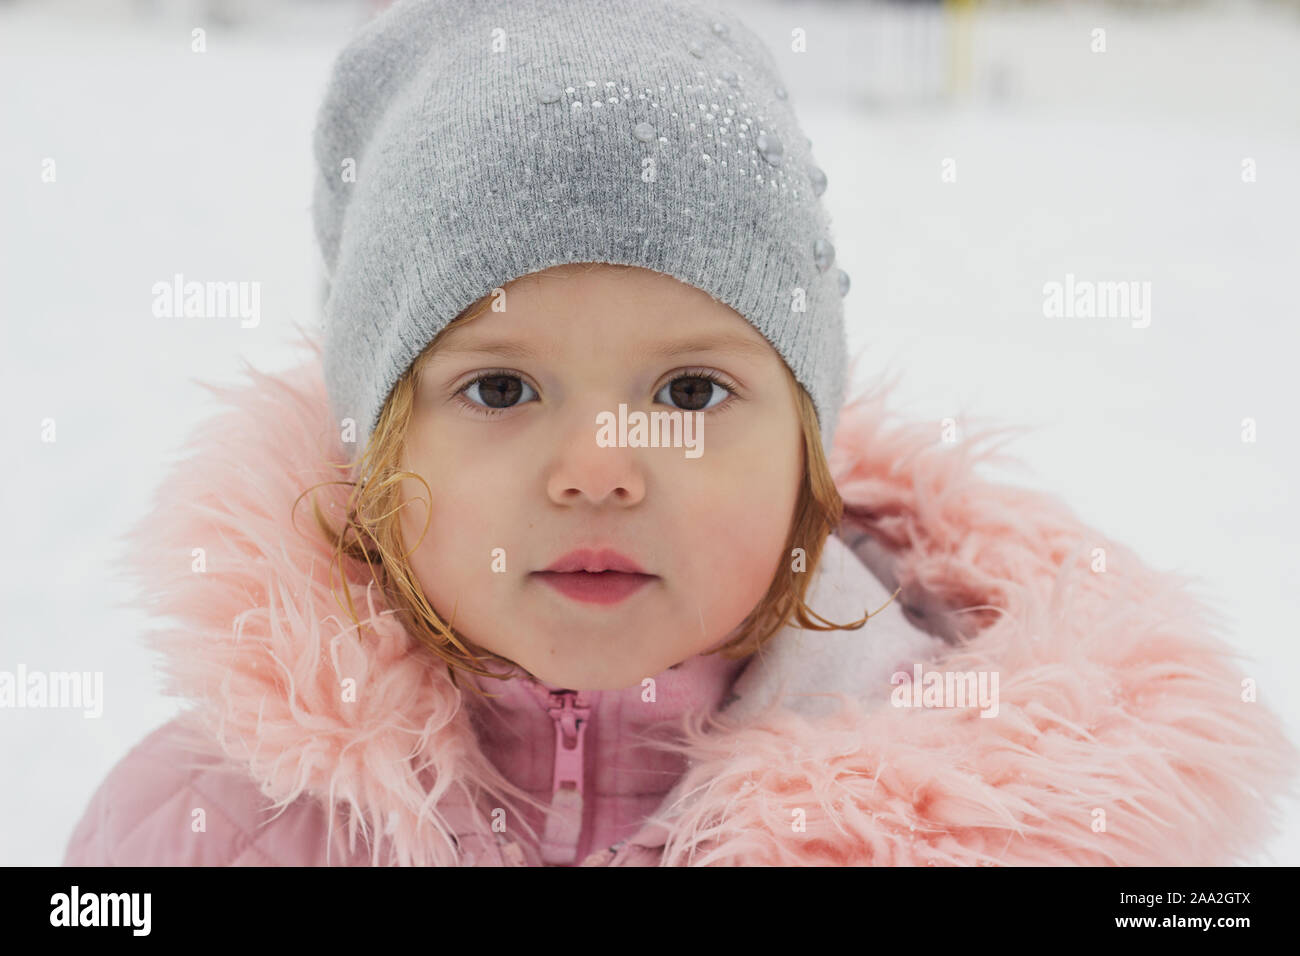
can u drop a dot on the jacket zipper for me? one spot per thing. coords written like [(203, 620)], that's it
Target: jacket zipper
[(571, 712)]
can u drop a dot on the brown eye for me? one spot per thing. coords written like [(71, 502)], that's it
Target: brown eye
[(497, 390), (695, 393)]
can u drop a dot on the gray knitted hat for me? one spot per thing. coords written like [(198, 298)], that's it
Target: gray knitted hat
[(461, 145)]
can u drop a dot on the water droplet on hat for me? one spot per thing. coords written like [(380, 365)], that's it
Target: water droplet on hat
[(781, 93), (696, 49), (644, 132), (548, 93), (844, 283), (823, 254), (720, 29), (818, 179), (769, 147)]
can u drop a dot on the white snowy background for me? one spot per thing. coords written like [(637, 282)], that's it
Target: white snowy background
[(1115, 166)]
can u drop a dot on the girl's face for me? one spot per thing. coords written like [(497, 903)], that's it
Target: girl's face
[(505, 431)]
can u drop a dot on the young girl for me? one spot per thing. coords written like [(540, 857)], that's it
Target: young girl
[(614, 576)]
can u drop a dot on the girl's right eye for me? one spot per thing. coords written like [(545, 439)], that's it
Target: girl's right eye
[(498, 391)]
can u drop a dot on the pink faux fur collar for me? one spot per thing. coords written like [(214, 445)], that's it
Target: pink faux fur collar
[(1122, 734)]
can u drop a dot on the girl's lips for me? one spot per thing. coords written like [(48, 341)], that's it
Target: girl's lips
[(595, 587)]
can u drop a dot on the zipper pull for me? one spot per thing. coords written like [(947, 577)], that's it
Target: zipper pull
[(564, 823)]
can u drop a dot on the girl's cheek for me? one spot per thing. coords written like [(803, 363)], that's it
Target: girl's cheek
[(733, 541)]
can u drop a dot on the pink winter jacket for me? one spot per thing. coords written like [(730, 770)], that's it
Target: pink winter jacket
[(1118, 716)]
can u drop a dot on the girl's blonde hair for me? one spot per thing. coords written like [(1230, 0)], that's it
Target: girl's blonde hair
[(372, 533)]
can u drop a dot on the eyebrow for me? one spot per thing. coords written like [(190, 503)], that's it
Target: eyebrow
[(722, 342)]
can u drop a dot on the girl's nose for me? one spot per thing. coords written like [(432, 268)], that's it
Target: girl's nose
[(582, 469)]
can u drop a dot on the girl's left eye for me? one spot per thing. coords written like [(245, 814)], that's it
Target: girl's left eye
[(698, 389)]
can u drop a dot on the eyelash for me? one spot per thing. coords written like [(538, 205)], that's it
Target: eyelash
[(704, 373)]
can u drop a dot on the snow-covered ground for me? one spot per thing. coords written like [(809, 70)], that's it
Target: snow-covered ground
[(1123, 165)]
